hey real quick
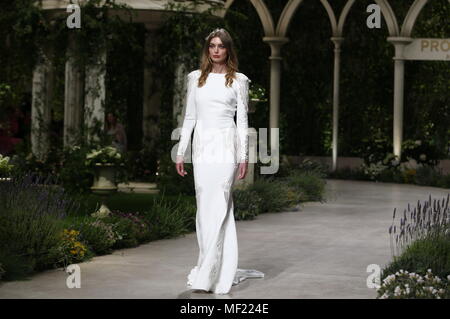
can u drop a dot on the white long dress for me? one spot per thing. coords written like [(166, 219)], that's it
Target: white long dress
[(219, 145)]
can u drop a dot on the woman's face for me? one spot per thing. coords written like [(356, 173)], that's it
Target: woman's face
[(110, 118), (217, 50)]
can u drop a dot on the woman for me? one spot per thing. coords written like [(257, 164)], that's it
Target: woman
[(215, 93), (117, 132)]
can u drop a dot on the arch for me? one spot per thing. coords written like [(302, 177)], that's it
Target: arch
[(286, 16), (265, 16), (411, 17), (331, 16), (344, 15), (389, 17)]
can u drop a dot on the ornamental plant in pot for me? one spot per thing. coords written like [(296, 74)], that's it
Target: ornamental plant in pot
[(105, 162), (5, 168), (257, 94)]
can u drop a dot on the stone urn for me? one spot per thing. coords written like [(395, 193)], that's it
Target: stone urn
[(104, 179)]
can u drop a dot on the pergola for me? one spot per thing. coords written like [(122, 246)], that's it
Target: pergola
[(77, 89)]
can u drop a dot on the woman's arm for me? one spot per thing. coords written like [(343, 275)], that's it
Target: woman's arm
[(242, 117), (190, 117)]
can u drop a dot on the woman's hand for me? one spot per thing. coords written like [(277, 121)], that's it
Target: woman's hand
[(180, 166), (243, 168)]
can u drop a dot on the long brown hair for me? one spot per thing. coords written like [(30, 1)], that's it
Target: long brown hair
[(206, 63)]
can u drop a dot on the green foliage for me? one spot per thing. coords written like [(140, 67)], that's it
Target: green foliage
[(142, 165), (131, 227), (406, 285), (75, 176), (430, 252), (170, 219), (25, 241), (430, 176), (5, 166), (310, 185), (277, 194), (70, 249), (97, 234), (170, 182), (31, 210), (247, 204)]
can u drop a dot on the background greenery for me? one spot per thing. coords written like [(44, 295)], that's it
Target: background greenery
[(307, 65)]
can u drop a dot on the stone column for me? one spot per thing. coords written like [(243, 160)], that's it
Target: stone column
[(179, 103), (73, 94), (399, 79), (336, 81), (94, 101), (151, 97), (275, 76), (42, 94)]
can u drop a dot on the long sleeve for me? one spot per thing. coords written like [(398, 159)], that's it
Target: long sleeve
[(190, 117), (242, 117)]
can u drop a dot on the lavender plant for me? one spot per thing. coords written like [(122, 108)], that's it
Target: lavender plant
[(430, 219), (31, 209)]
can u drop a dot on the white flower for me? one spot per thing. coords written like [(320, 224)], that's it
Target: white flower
[(422, 157)]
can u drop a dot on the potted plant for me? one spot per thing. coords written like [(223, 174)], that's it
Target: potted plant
[(5, 168), (257, 94), (105, 162)]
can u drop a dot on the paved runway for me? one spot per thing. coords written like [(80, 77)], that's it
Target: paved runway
[(321, 251)]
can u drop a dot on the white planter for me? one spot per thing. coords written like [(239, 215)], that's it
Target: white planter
[(104, 179)]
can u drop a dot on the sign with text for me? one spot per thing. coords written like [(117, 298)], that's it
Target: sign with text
[(428, 49)]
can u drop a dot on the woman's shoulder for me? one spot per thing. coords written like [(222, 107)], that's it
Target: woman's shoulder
[(242, 78), (194, 73)]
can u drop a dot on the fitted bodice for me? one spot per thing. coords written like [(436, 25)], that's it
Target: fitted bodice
[(213, 106), (216, 103)]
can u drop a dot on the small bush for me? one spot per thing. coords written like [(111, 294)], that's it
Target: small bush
[(169, 219), (98, 235), (406, 285), (309, 185), (422, 254), (70, 249), (170, 183), (427, 175), (277, 194), (31, 209), (131, 227), (247, 204)]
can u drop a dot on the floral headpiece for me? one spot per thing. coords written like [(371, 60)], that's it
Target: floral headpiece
[(214, 31)]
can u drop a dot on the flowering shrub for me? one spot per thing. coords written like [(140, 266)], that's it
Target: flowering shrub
[(132, 228), (404, 285), (373, 169), (5, 167), (71, 249), (257, 92), (100, 236), (422, 151), (105, 155)]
